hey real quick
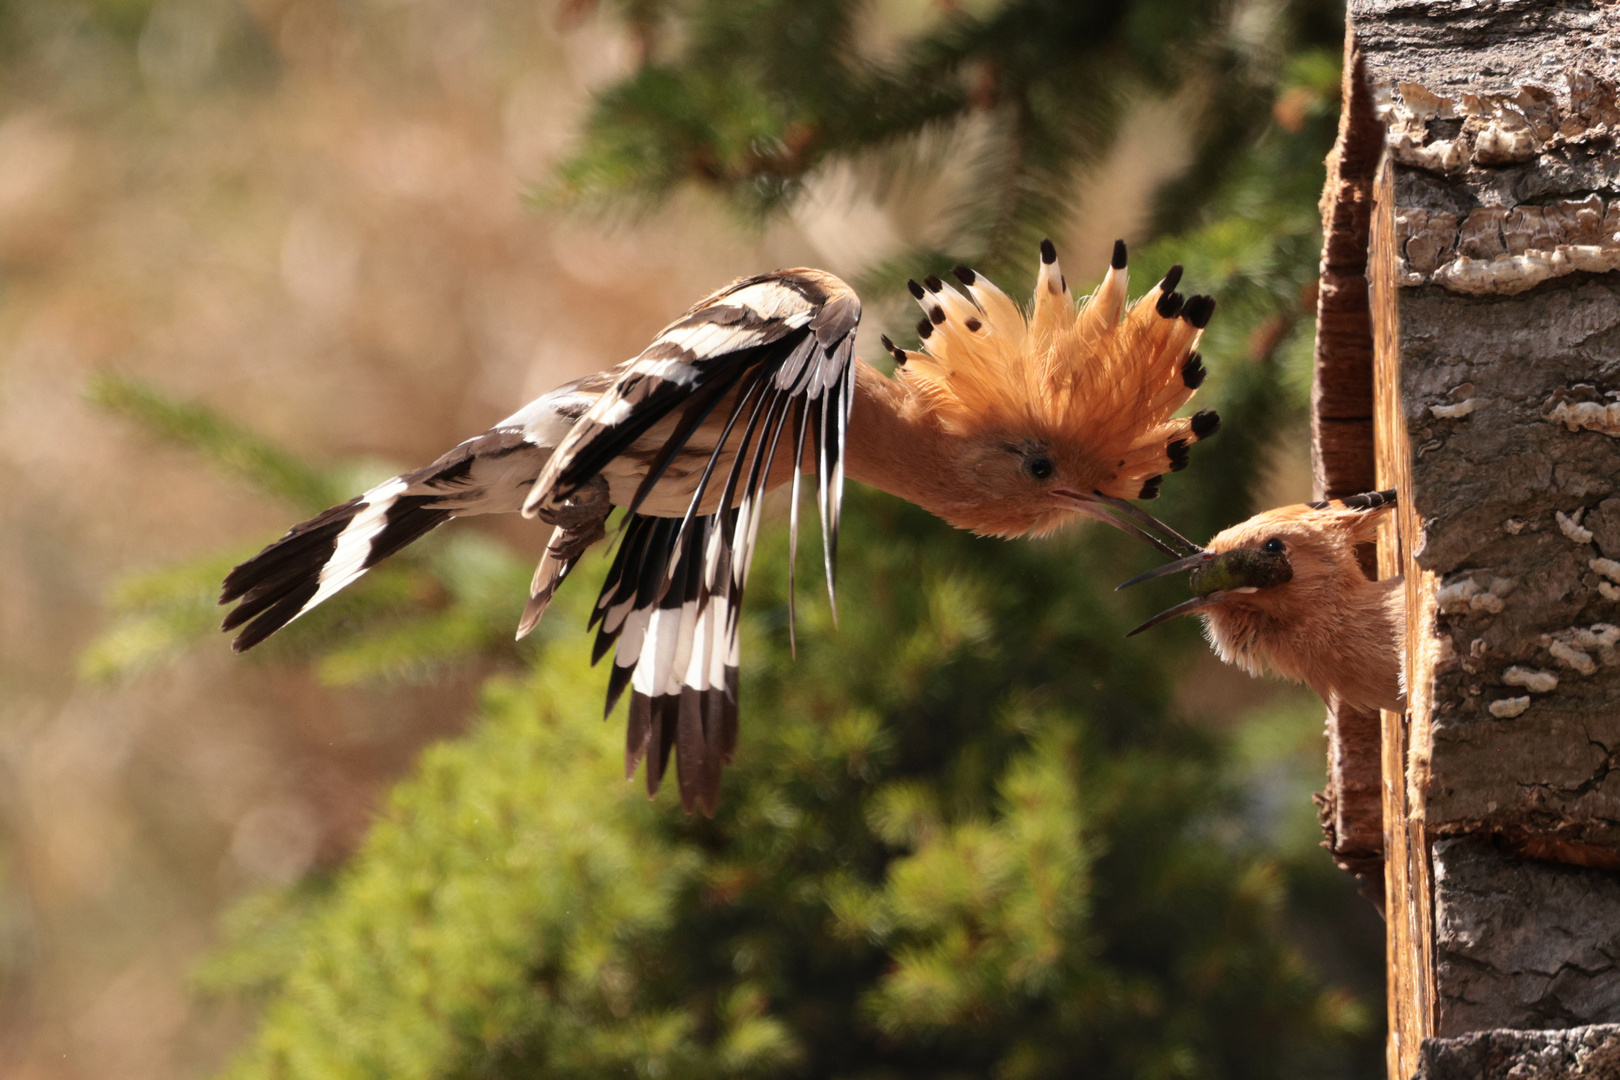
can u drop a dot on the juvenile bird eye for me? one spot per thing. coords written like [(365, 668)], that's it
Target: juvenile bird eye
[(1273, 546), (1040, 468)]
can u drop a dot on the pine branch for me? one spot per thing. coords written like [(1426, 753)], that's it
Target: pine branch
[(229, 447)]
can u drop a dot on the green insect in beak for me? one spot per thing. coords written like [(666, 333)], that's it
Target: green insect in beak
[(1241, 568)]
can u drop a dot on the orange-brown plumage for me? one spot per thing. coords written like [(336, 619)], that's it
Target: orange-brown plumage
[(1091, 389), (1284, 592)]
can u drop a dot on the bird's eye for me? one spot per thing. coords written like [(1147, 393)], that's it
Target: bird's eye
[(1041, 468), (1273, 546)]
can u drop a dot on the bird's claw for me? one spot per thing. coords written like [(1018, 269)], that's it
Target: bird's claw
[(587, 504)]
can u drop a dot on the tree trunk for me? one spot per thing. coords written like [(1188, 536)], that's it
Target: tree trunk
[(1488, 236)]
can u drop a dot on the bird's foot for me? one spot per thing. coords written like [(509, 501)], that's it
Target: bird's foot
[(585, 507), (572, 541)]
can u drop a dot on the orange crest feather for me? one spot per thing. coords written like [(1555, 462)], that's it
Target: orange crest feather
[(1097, 377)]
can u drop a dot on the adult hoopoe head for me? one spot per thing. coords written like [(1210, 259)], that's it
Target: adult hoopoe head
[(1285, 591), (1065, 409)]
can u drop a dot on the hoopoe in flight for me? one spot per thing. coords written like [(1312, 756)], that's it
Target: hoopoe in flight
[(1002, 423), (1284, 591)]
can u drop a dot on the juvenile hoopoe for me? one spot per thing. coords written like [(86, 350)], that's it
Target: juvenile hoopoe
[(1000, 423), (1285, 591)]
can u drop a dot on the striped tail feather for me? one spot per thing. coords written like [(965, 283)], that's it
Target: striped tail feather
[(484, 474), (322, 555)]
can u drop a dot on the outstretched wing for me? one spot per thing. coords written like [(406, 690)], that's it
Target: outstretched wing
[(758, 374)]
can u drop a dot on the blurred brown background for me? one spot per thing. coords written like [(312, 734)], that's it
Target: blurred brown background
[(309, 216)]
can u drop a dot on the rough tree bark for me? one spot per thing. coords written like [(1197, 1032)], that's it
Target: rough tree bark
[(1489, 240)]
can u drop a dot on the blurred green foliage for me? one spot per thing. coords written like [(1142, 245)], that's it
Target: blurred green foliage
[(100, 55), (750, 99), (226, 446), (966, 835), (948, 848)]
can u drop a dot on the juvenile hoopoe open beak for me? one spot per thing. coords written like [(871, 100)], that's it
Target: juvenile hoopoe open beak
[(1217, 576), (1284, 592)]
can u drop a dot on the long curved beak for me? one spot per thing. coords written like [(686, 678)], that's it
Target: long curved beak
[(1197, 558), (1096, 505), (1131, 510), (1186, 607)]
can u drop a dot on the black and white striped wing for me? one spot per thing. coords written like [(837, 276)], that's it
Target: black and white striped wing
[(677, 648), (778, 351), (488, 474)]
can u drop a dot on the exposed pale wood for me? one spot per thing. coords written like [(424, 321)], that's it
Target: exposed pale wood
[(1408, 897), (1351, 807)]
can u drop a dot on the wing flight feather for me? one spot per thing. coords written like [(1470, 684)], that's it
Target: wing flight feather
[(779, 349)]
